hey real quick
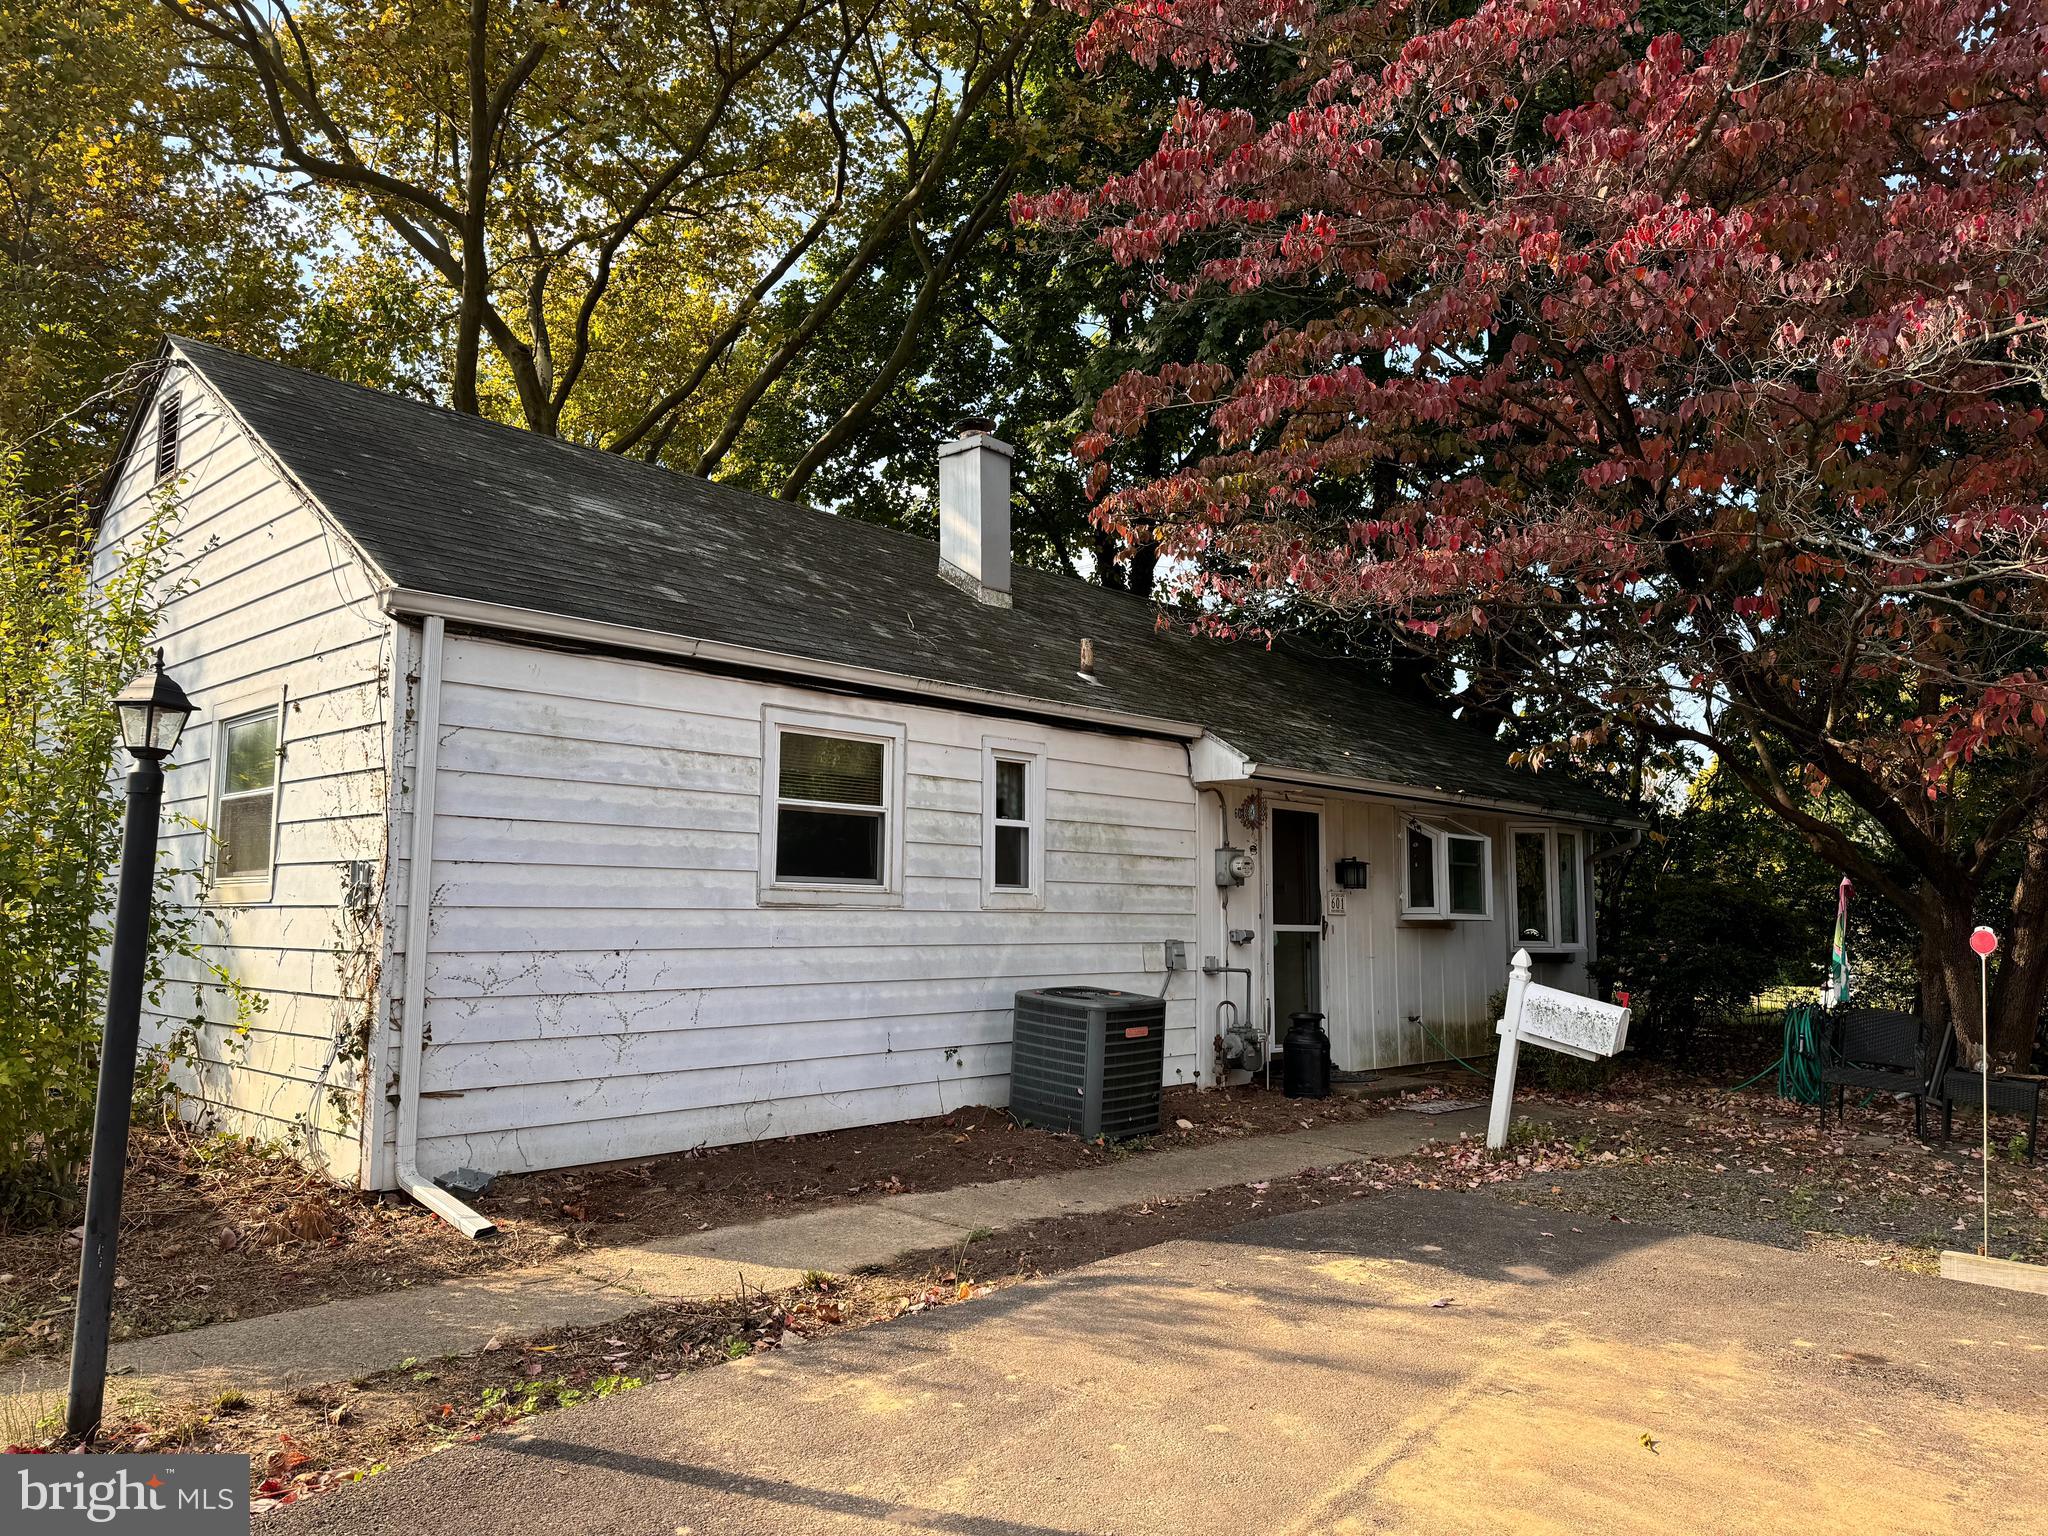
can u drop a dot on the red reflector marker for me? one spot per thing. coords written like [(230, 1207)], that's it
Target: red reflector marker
[(1137, 1031)]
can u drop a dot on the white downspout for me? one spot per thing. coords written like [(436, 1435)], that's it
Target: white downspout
[(419, 912)]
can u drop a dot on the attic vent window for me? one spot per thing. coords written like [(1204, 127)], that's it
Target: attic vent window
[(168, 412)]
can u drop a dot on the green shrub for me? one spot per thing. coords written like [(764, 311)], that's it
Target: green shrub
[(1554, 1071), (66, 646)]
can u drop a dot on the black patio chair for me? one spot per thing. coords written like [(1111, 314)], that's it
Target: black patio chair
[(2009, 1096), (1881, 1050)]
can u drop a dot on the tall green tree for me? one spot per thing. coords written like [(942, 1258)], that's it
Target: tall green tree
[(605, 200), (112, 230), (1027, 331)]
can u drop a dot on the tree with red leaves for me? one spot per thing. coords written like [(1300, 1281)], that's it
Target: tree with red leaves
[(1686, 391)]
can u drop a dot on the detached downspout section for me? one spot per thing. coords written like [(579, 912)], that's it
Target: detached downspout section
[(419, 912)]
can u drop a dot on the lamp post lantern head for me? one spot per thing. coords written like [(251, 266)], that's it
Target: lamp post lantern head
[(153, 710)]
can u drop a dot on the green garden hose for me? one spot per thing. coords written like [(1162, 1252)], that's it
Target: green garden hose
[(1461, 1061), (1799, 1067), (1798, 1063)]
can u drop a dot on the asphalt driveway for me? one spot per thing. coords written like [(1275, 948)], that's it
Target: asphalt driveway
[(1299, 1376)]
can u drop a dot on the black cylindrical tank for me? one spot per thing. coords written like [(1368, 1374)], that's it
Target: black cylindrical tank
[(1305, 1058)]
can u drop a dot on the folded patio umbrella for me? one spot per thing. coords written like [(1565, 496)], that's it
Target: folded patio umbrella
[(1837, 992)]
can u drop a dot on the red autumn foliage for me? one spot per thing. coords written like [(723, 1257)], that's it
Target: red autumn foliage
[(1688, 391)]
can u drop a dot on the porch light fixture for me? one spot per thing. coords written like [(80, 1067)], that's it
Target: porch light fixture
[(153, 710), (1352, 874)]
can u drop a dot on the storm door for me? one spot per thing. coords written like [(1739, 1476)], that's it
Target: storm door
[(1295, 858)]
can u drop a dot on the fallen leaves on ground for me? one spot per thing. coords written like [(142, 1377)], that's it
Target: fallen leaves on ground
[(1675, 1151)]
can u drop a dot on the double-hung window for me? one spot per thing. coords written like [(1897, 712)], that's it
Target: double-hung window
[(245, 804), (1446, 872), (831, 807), (1013, 823), (1549, 887)]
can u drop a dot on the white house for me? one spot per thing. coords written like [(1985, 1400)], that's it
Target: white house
[(570, 809)]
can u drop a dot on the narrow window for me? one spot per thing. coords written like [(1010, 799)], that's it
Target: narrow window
[(245, 809), (1567, 888), (1421, 869), (168, 412), (1013, 824), (1549, 887), (831, 812), (1532, 887)]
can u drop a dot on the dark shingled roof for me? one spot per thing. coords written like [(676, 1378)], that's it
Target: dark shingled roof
[(454, 506)]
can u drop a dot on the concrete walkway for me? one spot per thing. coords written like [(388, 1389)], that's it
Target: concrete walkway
[(341, 1340)]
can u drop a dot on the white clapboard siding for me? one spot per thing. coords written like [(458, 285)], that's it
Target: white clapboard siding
[(268, 597), (1385, 978), (604, 981), (773, 1109)]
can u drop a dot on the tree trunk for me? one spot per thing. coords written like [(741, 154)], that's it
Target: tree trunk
[(2022, 978), (1141, 566), (1108, 572), (2018, 986), (1950, 981)]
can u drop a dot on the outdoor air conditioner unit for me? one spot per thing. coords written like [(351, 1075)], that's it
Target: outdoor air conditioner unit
[(1088, 1060)]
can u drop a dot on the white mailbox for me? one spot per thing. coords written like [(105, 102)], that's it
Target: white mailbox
[(1560, 1021)]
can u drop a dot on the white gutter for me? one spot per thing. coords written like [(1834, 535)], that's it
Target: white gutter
[(556, 626), (1381, 789), (419, 912)]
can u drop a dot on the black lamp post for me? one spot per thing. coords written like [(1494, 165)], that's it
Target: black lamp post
[(152, 711)]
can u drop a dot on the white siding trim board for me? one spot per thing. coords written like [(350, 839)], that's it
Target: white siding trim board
[(419, 921)]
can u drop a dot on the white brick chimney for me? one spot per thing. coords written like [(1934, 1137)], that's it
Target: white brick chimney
[(974, 512)]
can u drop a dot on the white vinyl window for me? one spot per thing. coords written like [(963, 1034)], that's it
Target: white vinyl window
[(1549, 887), (1446, 872), (245, 804), (831, 808), (1013, 823)]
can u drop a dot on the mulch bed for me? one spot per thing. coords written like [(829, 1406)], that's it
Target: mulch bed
[(218, 1228)]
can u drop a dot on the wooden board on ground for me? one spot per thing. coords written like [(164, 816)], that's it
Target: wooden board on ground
[(2006, 1274)]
